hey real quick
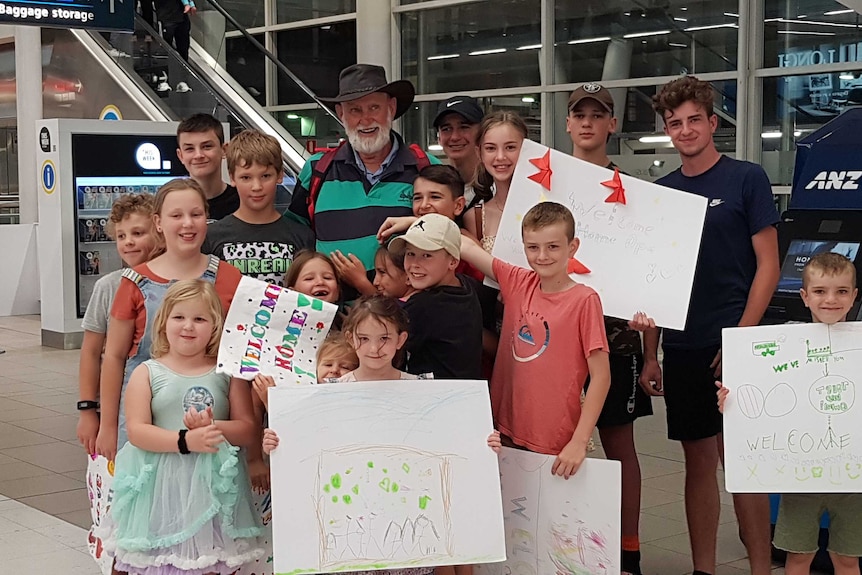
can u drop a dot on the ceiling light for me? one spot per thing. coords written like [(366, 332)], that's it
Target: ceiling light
[(837, 12), (677, 45), (654, 139), (797, 133), (711, 27), (644, 34), (802, 33), (443, 56), (528, 99), (435, 148), (811, 22), (529, 47), (680, 19), (292, 117), (490, 51), (731, 14), (683, 8), (589, 40), (846, 76), (770, 135)]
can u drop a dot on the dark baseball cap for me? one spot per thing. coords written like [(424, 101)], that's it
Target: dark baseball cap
[(595, 91), (465, 106)]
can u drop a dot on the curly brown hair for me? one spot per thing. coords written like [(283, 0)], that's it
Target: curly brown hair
[(125, 206), (686, 89)]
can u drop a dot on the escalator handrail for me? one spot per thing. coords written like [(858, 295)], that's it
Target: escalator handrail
[(272, 58)]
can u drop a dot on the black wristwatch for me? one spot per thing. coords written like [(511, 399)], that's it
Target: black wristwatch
[(87, 404), (181, 442)]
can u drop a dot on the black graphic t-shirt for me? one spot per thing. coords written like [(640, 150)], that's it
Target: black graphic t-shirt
[(262, 251)]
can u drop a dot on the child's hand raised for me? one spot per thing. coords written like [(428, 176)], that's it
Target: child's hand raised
[(204, 439), (194, 418), (641, 322), (350, 269), (261, 384), (270, 440), (721, 394), (570, 458), (494, 441), (391, 226)]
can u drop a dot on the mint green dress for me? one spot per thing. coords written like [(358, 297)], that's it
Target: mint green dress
[(184, 514)]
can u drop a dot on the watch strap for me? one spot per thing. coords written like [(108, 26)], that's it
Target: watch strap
[(181, 442), (87, 404)]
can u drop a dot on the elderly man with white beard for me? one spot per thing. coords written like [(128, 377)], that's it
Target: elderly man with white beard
[(347, 193)]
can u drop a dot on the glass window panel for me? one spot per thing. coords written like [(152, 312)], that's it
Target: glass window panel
[(249, 13), (316, 55), (806, 32), (795, 106), (296, 10), (472, 47), (247, 65), (639, 145), (622, 39), (417, 124), (313, 128)]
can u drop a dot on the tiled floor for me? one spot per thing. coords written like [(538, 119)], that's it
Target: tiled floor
[(43, 501)]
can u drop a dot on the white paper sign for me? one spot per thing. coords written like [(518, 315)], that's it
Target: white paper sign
[(555, 525), (792, 421), (384, 474), (641, 254), (273, 331), (100, 480)]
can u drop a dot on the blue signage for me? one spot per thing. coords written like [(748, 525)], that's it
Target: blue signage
[(118, 15), (828, 172), (49, 176)]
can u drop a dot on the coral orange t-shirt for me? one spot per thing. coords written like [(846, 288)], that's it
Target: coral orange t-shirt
[(541, 363), (129, 301)]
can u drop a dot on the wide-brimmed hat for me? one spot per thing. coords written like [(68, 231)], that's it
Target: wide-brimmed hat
[(359, 80)]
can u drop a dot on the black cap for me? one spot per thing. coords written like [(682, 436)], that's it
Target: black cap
[(465, 106)]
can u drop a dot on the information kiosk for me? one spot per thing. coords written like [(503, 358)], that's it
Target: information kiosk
[(84, 167)]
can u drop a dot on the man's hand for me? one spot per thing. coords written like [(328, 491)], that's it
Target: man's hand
[(650, 378), (570, 458)]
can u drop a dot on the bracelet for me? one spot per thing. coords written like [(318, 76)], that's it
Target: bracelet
[(85, 404), (181, 442)]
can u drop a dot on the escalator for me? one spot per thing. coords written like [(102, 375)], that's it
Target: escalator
[(140, 77)]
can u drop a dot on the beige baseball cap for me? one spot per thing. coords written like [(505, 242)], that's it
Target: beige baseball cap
[(431, 232)]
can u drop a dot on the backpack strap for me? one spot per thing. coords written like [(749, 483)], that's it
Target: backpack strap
[(422, 160), (318, 176), (131, 274), (480, 228)]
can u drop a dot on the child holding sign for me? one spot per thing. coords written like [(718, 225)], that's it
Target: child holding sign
[(182, 501), (828, 290)]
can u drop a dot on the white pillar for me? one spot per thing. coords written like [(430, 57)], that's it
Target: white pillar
[(373, 34), (28, 91)]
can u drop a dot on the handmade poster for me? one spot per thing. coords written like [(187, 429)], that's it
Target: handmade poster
[(555, 525), (383, 474), (273, 331), (791, 422), (100, 478), (638, 241)]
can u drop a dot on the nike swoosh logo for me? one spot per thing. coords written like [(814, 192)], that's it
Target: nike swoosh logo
[(450, 104)]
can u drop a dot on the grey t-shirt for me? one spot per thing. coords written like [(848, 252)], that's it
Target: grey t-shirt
[(262, 251), (99, 309)]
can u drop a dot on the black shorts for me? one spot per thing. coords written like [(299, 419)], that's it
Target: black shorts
[(626, 399), (690, 393)]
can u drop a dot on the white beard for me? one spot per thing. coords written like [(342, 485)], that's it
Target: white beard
[(365, 145)]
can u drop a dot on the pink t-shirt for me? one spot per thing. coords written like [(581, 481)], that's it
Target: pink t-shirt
[(541, 363)]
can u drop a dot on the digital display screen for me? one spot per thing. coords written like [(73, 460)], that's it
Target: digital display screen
[(798, 254), (116, 15)]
